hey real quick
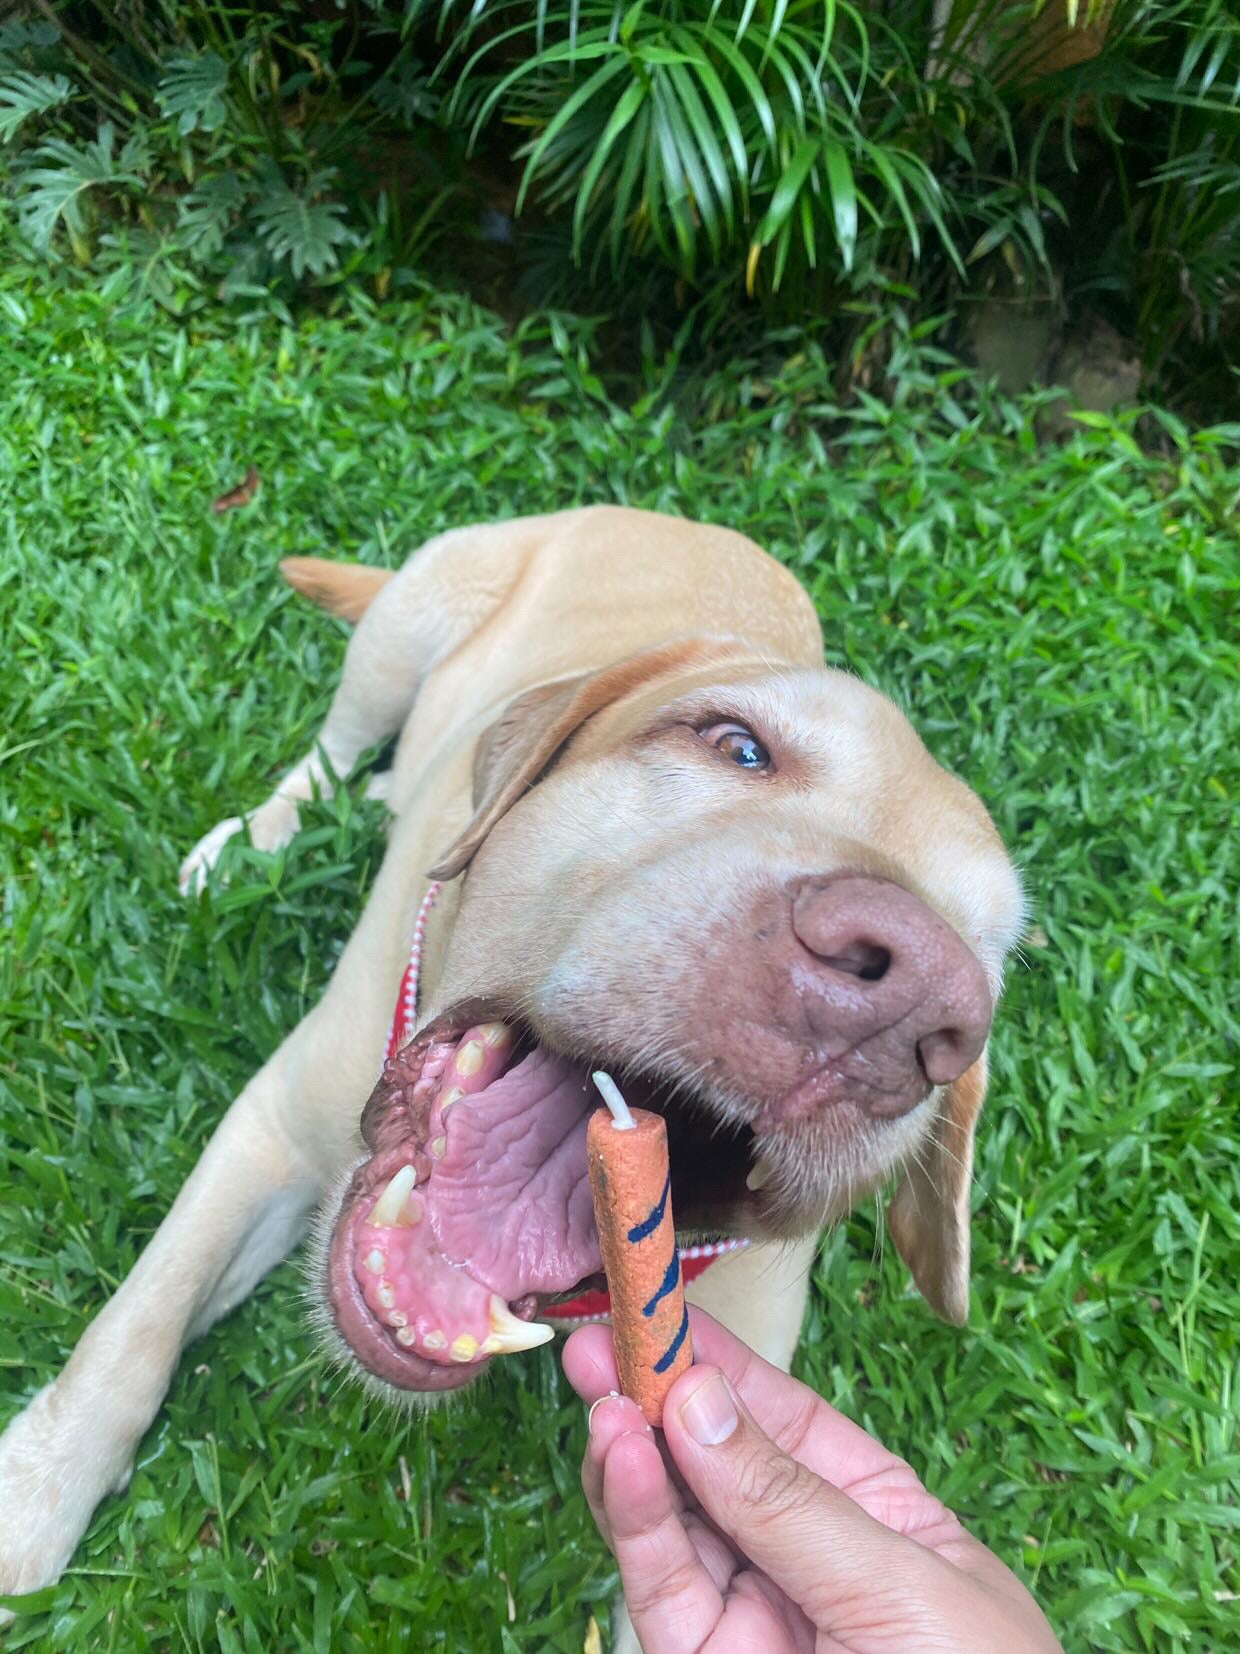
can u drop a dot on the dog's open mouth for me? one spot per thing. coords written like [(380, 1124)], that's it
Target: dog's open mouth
[(474, 1208)]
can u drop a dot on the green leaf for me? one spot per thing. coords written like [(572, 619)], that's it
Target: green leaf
[(23, 95), (630, 102), (209, 211), (588, 89), (193, 90), (743, 70), (843, 190), (299, 230), (728, 123), (672, 184), (630, 170), (784, 196), (702, 129), (690, 141), (878, 158), (61, 173)]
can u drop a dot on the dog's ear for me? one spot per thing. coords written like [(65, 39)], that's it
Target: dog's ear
[(521, 746), (929, 1213)]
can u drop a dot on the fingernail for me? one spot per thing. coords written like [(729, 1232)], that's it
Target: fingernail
[(708, 1414), (612, 1395)]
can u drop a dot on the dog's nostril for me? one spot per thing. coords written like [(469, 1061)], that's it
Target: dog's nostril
[(943, 1055), (861, 959)]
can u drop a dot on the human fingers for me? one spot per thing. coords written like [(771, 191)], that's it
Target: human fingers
[(796, 1419), (848, 1571), (672, 1599), (882, 1484), (793, 1416), (589, 1362), (610, 1416), (808, 1428), (809, 1538)]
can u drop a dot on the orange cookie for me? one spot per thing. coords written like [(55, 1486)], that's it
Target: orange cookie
[(631, 1183)]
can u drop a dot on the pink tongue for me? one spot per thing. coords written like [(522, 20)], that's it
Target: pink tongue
[(504, 1213)]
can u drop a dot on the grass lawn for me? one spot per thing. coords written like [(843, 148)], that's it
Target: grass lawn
[(1052, 620)]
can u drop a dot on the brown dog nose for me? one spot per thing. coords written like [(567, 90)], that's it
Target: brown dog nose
[(891, 978)]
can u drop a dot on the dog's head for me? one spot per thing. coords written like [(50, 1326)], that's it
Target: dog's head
[(753, 897)]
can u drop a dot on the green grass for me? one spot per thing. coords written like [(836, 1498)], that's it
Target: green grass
[(1053, 619)]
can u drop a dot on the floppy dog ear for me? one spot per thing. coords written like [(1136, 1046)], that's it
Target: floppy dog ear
[(519, 748), (929, 1213)]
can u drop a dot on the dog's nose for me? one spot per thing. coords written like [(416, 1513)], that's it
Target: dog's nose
[(889, 973)]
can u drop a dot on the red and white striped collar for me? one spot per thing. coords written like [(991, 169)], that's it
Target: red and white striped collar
[(405, 1017), (587, 1306)]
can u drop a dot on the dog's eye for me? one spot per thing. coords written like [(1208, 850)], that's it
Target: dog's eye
[(734, 741)]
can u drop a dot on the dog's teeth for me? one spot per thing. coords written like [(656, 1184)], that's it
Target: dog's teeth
[(406, 1336), (435, 1340), (375, 1261), (389, 1211), (760, 1174), (469, 1058), (464, 1348), (509, 1334), (495, 1033), (385, 1292), (449, 1098), (397, 1318), (439, 1147)]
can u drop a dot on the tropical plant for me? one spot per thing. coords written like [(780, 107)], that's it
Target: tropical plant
[(799, 149), (732, 161), (227, 142)]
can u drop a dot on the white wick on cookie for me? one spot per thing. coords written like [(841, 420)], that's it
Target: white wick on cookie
[(609, 1091)]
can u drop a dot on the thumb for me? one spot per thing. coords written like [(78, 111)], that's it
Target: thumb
[(809, 1538)]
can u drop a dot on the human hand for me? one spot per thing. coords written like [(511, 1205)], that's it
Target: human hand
[(783, 1526)]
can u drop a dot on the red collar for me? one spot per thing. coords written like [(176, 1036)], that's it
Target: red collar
[(587, 1306), (405, 1017)]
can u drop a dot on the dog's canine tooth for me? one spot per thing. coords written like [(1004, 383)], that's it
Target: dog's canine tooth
[(389, 1209), (760, 1174), (495, 1033), (469, 1058), (509, 1334)]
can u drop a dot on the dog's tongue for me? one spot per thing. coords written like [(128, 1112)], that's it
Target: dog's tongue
[(493, 1209), (511, 1196)]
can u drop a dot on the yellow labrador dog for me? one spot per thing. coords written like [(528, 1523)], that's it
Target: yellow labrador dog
[(637, 825)]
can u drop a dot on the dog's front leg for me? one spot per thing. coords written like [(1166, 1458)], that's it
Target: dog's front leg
[(243, 1207)]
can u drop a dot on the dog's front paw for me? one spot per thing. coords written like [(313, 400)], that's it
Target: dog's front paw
[(271, 827), (192, 877), (51, 1478)]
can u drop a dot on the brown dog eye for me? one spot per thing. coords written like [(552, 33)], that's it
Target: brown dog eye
[(734, 741)]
